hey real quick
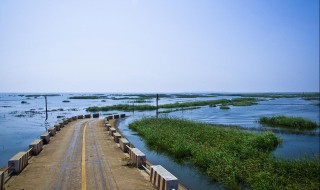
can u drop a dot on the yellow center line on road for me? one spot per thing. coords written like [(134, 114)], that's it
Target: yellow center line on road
[(83, 162)]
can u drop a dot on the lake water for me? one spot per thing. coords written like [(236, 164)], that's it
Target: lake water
[(21, 123)]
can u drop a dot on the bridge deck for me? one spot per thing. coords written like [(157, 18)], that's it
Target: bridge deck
[(60, 164)]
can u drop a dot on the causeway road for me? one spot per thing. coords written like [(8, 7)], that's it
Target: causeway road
[(80, 156)]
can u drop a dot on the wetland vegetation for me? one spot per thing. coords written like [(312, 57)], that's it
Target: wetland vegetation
[(130, 107), (38, 95), (289, 122), (224, 107), (88, 97), (229, 155), (180, 109), (122, 107)]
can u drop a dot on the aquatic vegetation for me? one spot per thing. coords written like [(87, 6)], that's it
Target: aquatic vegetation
[(228, 155), (149, 96), (88, 97), (289, 122), (306, 96), (38, 95), (234, 102), (224, 107), (142, 101), (122, 98), (126, 107), (122, 107), (243, 101), (181, 109), (53, 110), (193, 95)]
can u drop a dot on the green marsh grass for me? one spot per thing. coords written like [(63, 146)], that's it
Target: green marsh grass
[(126, 107), (228, 155), (88, 97), (149, 96), (224, 107), (289, 122), (38, 95), (141, 101), (180, 109), (122, 107), (306, 96), (193, 95)]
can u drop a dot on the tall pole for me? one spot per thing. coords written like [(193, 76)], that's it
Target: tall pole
[(157, 104), (46, 107)]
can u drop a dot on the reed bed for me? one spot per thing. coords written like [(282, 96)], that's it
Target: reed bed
[(289, 122), (88, 97), (228, 155), (180, 109), (130, 107), (122, 107)]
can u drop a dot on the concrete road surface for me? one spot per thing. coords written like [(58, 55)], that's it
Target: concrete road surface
[(60, 165)]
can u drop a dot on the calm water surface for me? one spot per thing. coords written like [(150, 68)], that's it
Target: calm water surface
[(21, 123)]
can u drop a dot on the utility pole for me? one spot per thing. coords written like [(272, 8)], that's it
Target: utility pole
[(157, 104), (45, 97)]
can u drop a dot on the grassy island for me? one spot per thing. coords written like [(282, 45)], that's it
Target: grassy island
[(228, 155), (226, 102), (224, 107), (289, 122), (88, 97)]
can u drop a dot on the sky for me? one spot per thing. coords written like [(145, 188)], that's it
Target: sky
[(159, 46)]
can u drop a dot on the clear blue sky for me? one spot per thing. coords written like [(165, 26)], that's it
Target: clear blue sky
[(159, 46)]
